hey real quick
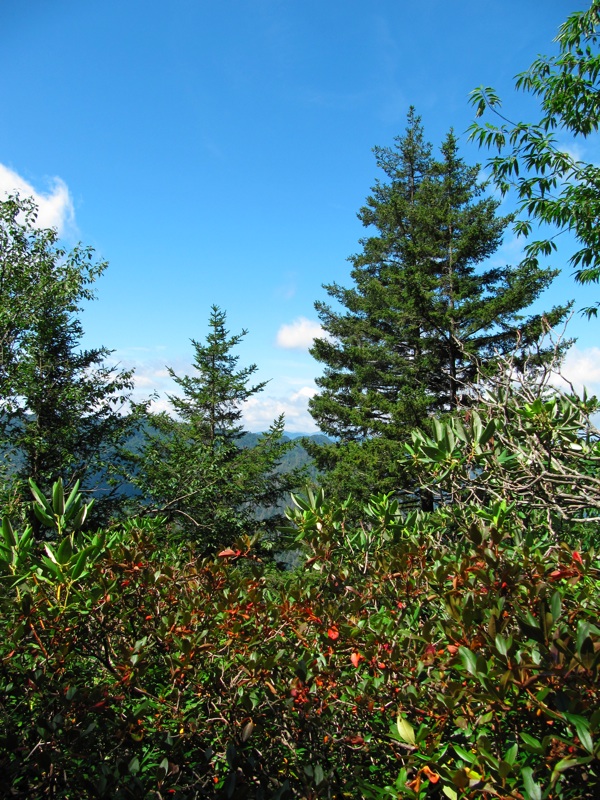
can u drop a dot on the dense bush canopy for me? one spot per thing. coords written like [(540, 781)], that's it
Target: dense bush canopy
[(449, 654)]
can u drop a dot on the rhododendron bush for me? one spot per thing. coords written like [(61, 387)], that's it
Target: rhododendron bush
[(453, 654)]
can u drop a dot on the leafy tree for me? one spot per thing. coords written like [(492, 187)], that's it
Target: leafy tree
[(193, 467), (553, 186), (424, 314), (34, 270), (61, 406)]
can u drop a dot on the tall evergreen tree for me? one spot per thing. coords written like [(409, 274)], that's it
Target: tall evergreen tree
[(62, 408), (70, 420), (424, 313), (193, 467)]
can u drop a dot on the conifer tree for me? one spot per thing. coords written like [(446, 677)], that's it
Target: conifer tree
[(68, 422), (425, 312), (193, 466), (61, 407)]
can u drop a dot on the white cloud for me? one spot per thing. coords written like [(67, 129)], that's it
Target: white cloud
[(55, 207), (299, 334), (152, 377), (582, 368), (260, 411)]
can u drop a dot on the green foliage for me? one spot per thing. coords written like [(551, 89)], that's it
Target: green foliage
[(423, 314), (451, 654), (193, 468), (34, 271), (356, 468), (522, 442), (553, 186), (60, 514), (60, 407)]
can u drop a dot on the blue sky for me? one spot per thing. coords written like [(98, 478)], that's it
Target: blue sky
[(218, 153)]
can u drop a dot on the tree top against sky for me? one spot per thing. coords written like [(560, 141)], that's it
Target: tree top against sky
[(220, 157)]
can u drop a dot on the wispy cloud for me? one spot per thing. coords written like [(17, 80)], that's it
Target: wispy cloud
[(261, 410), (288, 288), (152, 379), (299, 334), (55, 206)]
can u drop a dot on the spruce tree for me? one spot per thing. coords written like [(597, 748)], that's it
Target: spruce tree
[(425, 313), (193, 467), (63, 410)]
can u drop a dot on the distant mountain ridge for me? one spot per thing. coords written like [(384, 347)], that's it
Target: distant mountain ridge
[(296, 455)]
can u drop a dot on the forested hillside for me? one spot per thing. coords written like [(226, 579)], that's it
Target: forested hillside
[(423, 620)]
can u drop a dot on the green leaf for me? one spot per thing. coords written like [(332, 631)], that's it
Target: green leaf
[(470, 758), (39, 497), (79, 565), (58, 498), (319, 775), (534, 792), (79, 518), (53, 568), (583, 631), (43, 517), (487, 433), (503, 645), (405, 730), (459, 430), (8, 533), (563, 765), (469, 659), (64, 552), (582, 726), (511, 754), (440, 431), (51, 554), (26, 538), (434, 453), (534, 744), (477, 426), (504, 769), (72, 497)]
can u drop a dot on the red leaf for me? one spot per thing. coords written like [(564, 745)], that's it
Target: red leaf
[(356, 658), (229, 553), (333, 633), (356, 740), (431, 775), (577, 558)]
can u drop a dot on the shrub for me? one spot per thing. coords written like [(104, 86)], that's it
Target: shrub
[(442, 655)]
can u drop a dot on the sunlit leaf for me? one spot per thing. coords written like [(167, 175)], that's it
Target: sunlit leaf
[(405, 730)]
